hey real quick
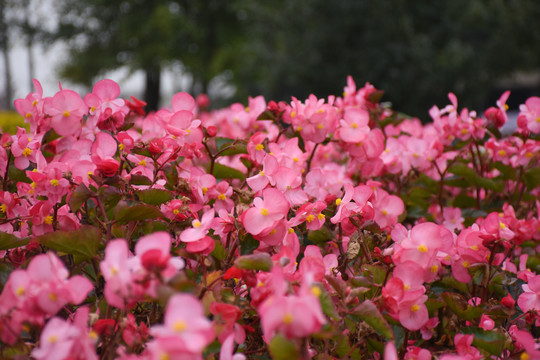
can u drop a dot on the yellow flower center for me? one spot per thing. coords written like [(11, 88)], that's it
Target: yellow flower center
[(259, 147), (320, 126), (20, 291), (48, 220), (316, 291), (67, 113), (176, 211), (293, 114), (196, 223), (261, 173), (524, 356), (338, 201), (465, 264), (287, 319), (142, 162), (53, 297), (3, 208), (204, 190), (54, 182), (264, 212), (415, 308), (354, 125), (320, 216), (27, 152), (28, 115), (221, 197), (502, 152), (53, 338), (434, 268), (179, 326), (310, 218), (423, 248)]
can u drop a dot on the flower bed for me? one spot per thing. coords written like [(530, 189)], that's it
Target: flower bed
[(328, 229)]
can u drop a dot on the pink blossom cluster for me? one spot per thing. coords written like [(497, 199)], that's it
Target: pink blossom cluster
[(267, 224)]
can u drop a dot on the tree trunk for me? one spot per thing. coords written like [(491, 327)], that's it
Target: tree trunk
[(4, 47), (152, 90)]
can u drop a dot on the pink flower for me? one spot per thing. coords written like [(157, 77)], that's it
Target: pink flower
[(354, 126), (66, 109), (530, 299), (486, 323), (199, 228), (266, 211), (185, 326)]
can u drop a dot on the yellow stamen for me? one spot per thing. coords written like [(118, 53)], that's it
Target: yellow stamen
[(316, 291), (320, 216), (264, 212), (384, 212), (67, 113), (524, 356), (406, 287), (53, 297), (176, 211), (423, 248), (320, 126), (503, 226), (20, 291), (142, 162), (474, 247), (196, 223), (27, 152), (53, 338), (261, 173), (259, 147), (246, 108), (204, 190), (502, 152), (338, 201), (415, 308), (179, 326), (293, 114), (54, 182), (3, 208), (310, 218), (465, 264), (28, 115), (295, 159), (48, 220), (291, 230), (434, 268), (287, 319), (221, 197), (354, 125)]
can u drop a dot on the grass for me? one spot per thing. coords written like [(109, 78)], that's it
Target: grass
[(10, 120)]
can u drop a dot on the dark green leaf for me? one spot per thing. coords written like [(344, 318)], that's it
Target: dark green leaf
[(141, 151), (126, 214), (154, 196), (320, 236), (259, 261), (458, 304), (283, 349), (219, 251), (79, 197), (266, 115), (531, 178), (491, 341), (82, 243), (137, 179), (248, 245), (10, 241), (368, 312), (226, 172)]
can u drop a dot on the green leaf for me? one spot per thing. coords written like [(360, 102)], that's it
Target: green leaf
[(226, 172), (259, 261), (321, 236), (266, 115), (458, 304), (219, 251), (283, 349), (248, 245), (473, 178), (137, 179), (82, 243), (141, 151), (531, 178), (368, 312), (238, 148), (507, 172), (126, 214), (10, 241), (154, 196), (491, 341), (79, 197)]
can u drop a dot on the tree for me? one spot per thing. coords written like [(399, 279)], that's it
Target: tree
[(417, 51), (148, 36), (4, 48)]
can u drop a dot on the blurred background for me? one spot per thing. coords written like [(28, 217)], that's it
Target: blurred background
[(416, 51)]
